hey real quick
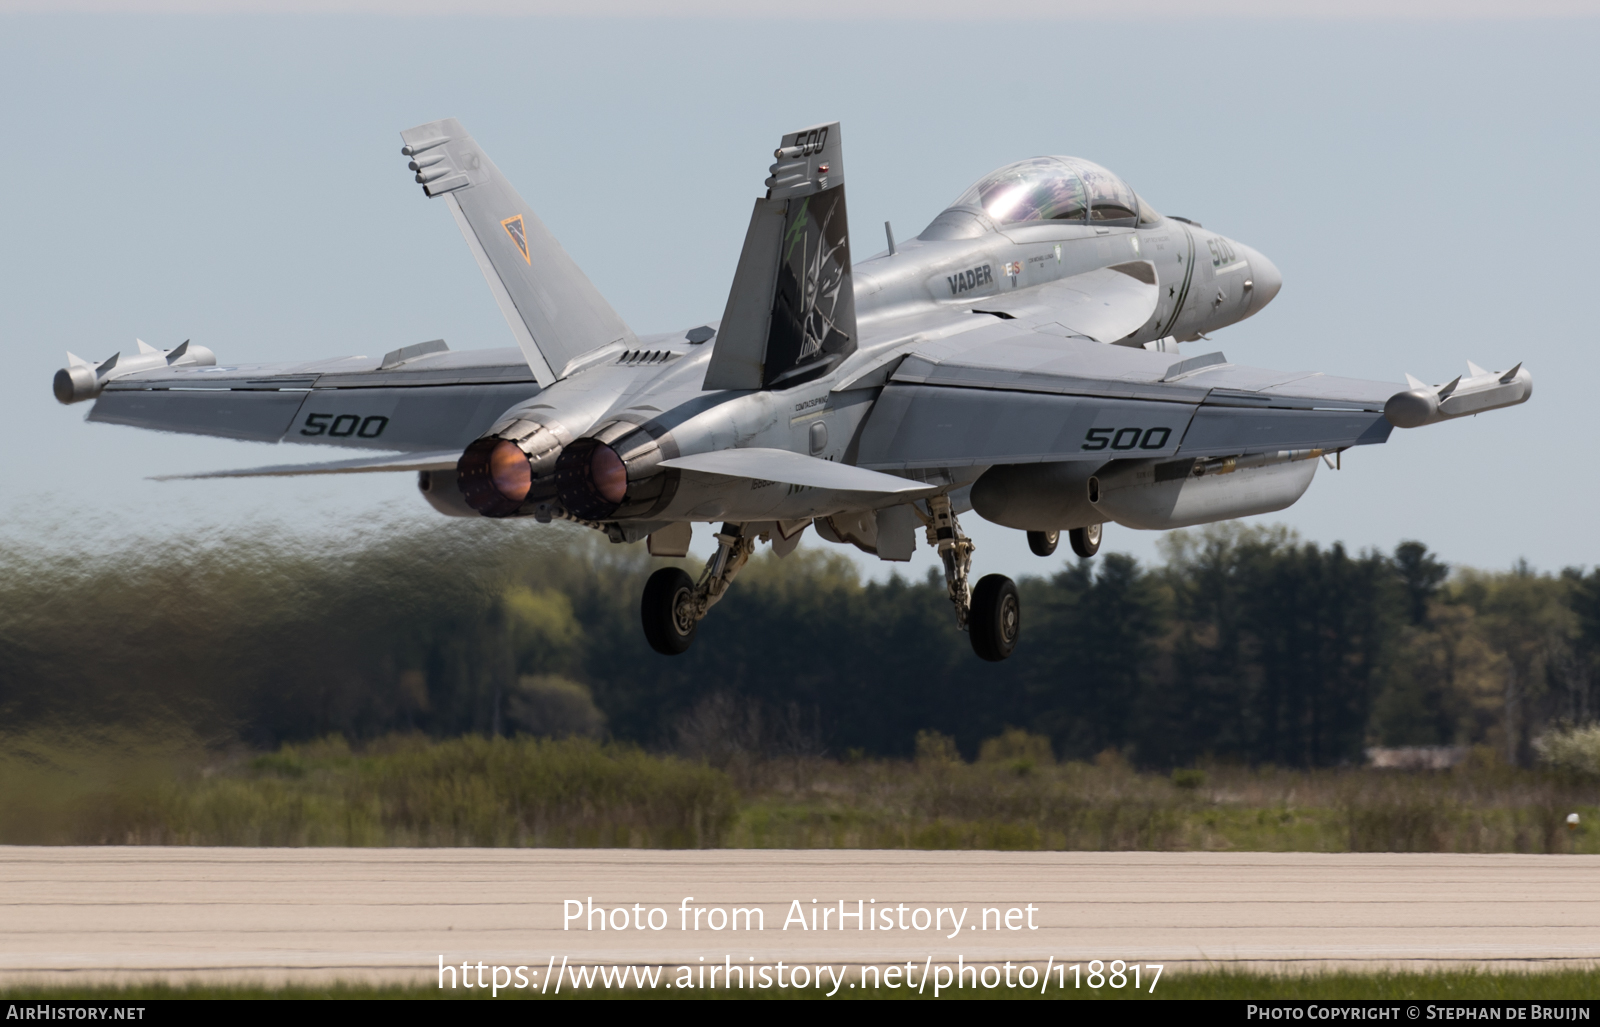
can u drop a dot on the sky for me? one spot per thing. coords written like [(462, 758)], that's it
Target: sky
[(852, 10), (1420, 179)]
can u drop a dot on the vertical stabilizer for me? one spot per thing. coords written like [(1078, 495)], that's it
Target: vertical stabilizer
[(791, 313), (556, 313)]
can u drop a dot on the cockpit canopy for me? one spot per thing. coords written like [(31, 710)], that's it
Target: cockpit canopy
[(1056, 189)]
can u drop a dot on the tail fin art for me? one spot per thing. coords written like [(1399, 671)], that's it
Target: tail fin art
[(791, 313), (556, 313)]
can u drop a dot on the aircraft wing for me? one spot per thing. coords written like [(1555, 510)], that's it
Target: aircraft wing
[(1006, 394), (422, 398)]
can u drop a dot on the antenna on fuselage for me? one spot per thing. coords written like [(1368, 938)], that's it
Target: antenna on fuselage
[(889, 231)]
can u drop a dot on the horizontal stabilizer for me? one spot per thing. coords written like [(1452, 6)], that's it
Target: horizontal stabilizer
[(791, 468), (438, 461)]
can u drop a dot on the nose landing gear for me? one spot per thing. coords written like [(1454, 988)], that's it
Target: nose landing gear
[(1085, 541)]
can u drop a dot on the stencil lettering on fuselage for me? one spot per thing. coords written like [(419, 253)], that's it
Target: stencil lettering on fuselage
[(971, 278)]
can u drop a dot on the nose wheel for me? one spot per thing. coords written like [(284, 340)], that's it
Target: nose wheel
[(1085, 541)]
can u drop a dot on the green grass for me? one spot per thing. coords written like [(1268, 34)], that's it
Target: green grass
[(474, 791), (1007, 804), (401, 791), (1452, 985)]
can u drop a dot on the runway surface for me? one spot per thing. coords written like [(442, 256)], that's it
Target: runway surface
[(388, 914)]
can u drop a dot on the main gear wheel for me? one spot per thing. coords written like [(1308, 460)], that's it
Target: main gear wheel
[(996, 617), (668, 611)]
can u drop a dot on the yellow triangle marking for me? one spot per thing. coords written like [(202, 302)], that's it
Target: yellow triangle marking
[(513, 227)]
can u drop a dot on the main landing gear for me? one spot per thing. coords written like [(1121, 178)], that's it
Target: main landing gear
[(674, 604), (669, 611), (995, 618), (990, 614), (1043, 543)]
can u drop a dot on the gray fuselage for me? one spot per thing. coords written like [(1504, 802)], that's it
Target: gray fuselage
[(963, 262)]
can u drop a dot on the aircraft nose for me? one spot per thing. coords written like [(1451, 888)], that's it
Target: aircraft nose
[(1265, 278)]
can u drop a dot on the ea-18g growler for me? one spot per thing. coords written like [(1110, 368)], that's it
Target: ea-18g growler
[(1018, 359)]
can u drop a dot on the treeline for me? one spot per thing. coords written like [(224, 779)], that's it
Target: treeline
[(1247, 645)]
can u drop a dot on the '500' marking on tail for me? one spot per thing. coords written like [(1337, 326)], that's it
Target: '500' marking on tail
[(342, 426), (1127, 438)]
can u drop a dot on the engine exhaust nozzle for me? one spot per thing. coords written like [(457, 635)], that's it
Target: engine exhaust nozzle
[(511, 469), (613, 472), (591, 479)]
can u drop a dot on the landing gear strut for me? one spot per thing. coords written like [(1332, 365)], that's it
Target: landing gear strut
[(673, 605), (991, 614), (955, 549)]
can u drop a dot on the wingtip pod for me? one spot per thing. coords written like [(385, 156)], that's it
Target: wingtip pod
[(75, 384), (1462, 397), (82, 380)]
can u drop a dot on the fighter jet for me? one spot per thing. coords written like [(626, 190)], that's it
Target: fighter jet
[(1018, 359)]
